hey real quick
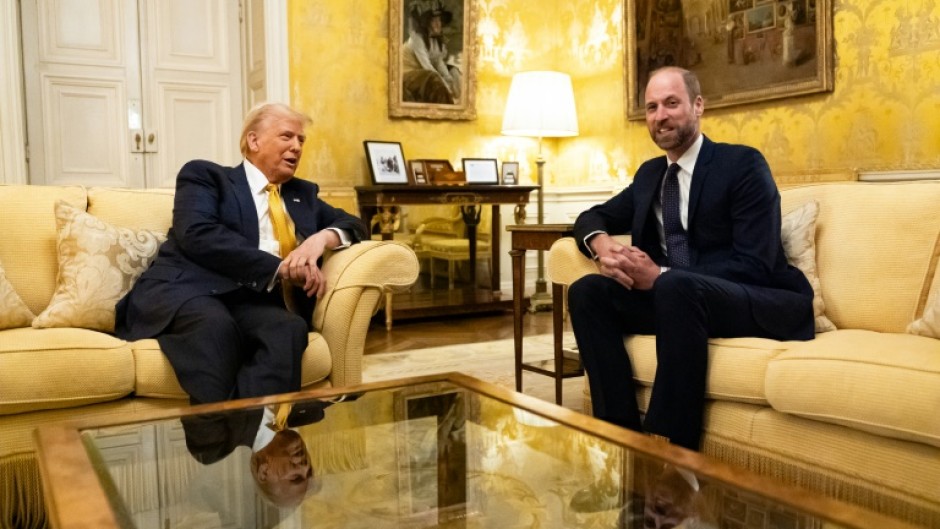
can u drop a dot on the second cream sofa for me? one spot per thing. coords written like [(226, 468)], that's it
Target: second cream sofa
[(854, 413)]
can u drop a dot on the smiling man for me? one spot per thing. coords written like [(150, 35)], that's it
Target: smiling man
[(230, 293), (705, 260)]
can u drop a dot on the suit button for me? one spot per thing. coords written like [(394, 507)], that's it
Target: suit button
[(254, 284), (213, 291)]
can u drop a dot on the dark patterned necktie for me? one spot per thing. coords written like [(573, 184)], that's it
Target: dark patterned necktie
[(677, 241)]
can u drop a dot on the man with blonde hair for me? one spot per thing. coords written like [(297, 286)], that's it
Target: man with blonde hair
[(231, 292)]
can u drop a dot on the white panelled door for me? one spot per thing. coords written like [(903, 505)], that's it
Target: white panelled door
[(123, 92)]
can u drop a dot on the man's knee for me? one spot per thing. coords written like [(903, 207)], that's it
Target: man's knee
[(586, 291), (676, 285)]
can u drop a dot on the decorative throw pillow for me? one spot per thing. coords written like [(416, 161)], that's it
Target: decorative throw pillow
[(798, 232), (929, 323), (98, 264), (13, 312)]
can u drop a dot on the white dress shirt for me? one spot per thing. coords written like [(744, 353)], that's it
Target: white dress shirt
[(266, 239)]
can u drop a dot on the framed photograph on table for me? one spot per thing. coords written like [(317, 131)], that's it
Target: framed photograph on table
[(510, 173), (418, 172), (481, 170), (386, 162)]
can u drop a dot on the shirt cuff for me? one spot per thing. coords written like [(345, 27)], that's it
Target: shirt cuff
[(587, 240), (345, 241)]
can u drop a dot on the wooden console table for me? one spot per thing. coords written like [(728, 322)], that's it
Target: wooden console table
[(386, 200), (539, 237)]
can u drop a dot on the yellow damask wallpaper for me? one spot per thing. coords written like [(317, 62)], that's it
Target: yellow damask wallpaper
[(884, 113)]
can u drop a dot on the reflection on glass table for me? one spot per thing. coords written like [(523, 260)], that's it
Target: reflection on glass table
[(437, 451)]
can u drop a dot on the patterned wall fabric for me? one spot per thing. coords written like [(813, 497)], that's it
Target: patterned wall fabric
[(884, 113)]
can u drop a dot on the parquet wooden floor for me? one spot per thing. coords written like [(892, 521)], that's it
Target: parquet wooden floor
[(419, 334)]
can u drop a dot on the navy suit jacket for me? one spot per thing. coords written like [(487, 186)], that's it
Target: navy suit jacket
[(733, 230), (212, 247)]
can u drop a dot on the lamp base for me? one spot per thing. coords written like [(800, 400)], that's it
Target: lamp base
[(540, 301)]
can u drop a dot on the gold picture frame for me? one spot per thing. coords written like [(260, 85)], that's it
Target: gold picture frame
[(749, 51), (416, 86)]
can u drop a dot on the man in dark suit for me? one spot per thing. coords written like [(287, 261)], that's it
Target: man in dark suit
[(706, 261), (280, 463), (213, 297)]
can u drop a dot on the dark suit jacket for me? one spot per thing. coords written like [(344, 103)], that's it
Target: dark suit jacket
[(212, 437), (212, 247), (733, 229)]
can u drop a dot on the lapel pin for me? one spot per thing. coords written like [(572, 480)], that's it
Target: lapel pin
[(296, 200)]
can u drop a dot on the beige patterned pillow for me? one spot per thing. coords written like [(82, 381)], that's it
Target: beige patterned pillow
[(798, 231), (13, 312), (98, 264), (929, 323)]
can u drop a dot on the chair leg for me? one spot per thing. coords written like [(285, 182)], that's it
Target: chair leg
[(451, 269), (431, 270), (388, 311)]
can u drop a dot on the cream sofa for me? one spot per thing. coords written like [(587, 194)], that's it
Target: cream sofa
[(49, 375), (854, 413)]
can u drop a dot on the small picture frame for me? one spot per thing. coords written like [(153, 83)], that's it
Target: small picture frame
[(481, 170), (386, 162), (510, 176), (418, 172)]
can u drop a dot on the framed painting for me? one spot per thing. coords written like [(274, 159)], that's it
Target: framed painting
[(386, 162), (431, 56), (743, 51)]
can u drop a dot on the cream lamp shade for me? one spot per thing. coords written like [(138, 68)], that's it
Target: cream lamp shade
[(540, 105)]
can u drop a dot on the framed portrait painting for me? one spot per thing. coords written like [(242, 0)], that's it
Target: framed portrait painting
[(431, 55), (743, 51), (386, 162)]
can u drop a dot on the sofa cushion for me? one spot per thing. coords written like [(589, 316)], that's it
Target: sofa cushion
[(798, 233), (884, 383), (27, 246), (98, 264), (61, 368), (865, 233), (150, 209), (155, 376), (13, 312), (736, 366)]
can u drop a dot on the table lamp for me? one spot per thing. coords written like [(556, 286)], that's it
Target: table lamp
[(540, 105)]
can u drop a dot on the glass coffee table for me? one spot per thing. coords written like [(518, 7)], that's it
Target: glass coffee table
[(434, 451)]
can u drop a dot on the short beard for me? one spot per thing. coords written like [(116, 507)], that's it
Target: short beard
[(682, 136)]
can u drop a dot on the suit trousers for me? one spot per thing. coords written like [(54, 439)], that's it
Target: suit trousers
[(683, 310), (236, 345)]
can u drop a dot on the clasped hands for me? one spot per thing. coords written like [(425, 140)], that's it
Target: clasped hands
[(300, 268), (628, 265)]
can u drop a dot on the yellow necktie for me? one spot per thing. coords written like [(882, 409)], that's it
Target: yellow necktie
[(284, 232), (280, 417)]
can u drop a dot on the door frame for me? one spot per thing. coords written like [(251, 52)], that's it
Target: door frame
[(13, 169)]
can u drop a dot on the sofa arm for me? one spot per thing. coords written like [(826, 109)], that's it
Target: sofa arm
[(566, 264), (357, 279)]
